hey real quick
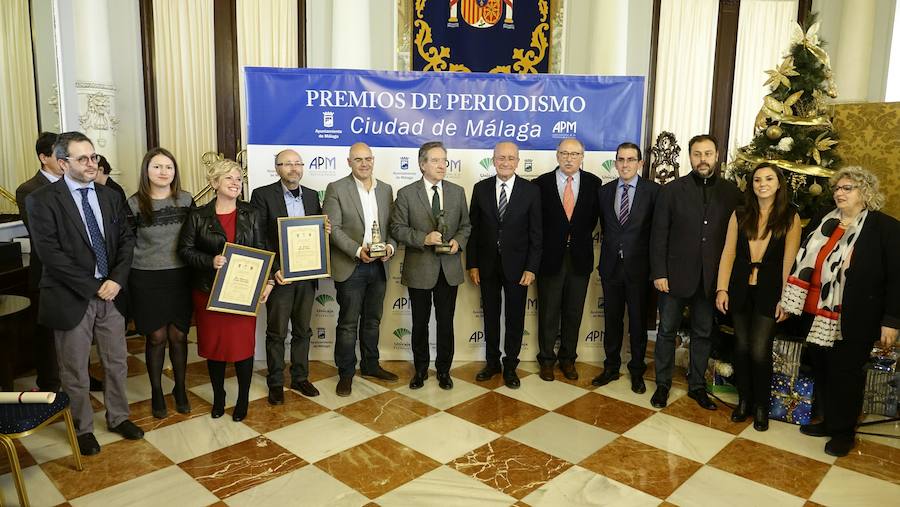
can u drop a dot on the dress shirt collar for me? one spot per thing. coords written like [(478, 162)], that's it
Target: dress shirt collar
[(50, 176), (632, 183), (362, 186), (75, 185)]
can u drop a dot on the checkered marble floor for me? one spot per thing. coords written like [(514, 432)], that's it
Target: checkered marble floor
[(547, 443)]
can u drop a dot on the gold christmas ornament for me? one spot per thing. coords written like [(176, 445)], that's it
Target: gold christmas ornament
[(781, 74), (774, 132), (823, 143), (815, 189)]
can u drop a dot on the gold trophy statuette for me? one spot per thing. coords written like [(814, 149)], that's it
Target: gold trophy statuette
[(377, 248), (444, 246)]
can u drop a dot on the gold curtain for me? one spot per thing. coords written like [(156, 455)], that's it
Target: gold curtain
[(185, 84), (18, 106)]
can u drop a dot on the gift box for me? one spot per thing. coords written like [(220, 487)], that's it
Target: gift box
[(786, 354), (720, 377), (791, 399), (882, 382)]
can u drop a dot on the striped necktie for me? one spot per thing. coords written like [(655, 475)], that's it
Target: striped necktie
[(624, 205), (501, 206)]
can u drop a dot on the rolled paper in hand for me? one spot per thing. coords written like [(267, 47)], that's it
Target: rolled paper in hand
[(29, 397)]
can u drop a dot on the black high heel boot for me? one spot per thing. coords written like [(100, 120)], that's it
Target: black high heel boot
[(761, 418), (155, 355), (217, 378), (741, 410), (178, 357), (244, 371)]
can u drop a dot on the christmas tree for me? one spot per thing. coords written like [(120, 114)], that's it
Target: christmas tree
[(793, 128)]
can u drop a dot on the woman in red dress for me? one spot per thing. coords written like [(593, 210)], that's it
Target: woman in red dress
[(222, 337)]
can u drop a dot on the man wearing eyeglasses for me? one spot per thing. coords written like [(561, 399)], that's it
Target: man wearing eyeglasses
[(569, 216), (82, 237), (428, 214), (504, 254), (358, 205), (289, 301), (626, 216)]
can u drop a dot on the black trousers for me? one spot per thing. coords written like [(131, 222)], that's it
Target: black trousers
[(754, 334), (560, 305), (289, 303), (840, 378), (444, 297), (45, 361), (620, 292), (515, 296)]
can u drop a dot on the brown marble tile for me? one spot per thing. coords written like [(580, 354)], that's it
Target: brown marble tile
[(403, 369), (25, 458), (197, 373), (510, 466), (810, 503), (241, 466), (387, 411), (782, 470), (117, 462), (377, 466), (875, 460), (686, 408), (135, 367), (264, 418), (641, 466), (586, 373), (468, 371), (679, 374), (96, 404), (605, 412), (136, 345), (142, 412), (318, 370), (496, 412)]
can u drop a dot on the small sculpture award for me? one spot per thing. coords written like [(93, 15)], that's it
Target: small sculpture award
[(444, 246), (377, 248)]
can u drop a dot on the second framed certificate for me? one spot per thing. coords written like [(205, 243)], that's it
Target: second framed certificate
[(303, 247), (239, 284)]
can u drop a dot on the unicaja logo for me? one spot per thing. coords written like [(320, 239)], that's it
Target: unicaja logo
[(328, 119), (324, 299), (402, 332), (486, 163)]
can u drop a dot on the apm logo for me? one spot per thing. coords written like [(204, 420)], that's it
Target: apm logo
[(477, 336), (593, 336), (324, 299), (322, 164), (402, 332), (565, 127), (454, 166), (401, 303), (531, 304)]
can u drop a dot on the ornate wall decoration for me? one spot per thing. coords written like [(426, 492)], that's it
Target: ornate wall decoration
[(97, 103)]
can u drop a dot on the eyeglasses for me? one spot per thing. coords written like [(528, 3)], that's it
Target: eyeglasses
[(629, 160), (290, 164), (569, 154), (83, 160), (846, 188)]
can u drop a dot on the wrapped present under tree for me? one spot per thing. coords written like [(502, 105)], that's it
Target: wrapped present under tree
[(882, 382), (791, 399)]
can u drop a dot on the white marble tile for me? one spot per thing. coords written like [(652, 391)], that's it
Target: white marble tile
[(547, 395), (788, 437), (306, 486), (198, 436), (443, 436), (321, 436), (621, 390), (361, 390), (258, 389), (444, 486), (578, 486), (892, 428), (38, 487), (52, 442), (710, 483), (529, 366), (137, 388), (562, 436), (848, 488), (438, 398), (681, 437), (171, 484)]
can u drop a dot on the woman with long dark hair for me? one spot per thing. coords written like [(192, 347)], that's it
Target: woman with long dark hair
[(160, 281), (763, 238)]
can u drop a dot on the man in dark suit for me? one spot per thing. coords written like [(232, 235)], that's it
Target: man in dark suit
[(289, 301), (568, 217), (421, 207), (688, 234), (626, 215), (504, 254), (356, 205), (81, 234), (44, 348)]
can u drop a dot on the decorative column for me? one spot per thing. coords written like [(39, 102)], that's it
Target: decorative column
[(608, 49), (350, 35), (854, 50)]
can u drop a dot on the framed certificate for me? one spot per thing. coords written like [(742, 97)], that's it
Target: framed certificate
[(240, 282), (303, 248)]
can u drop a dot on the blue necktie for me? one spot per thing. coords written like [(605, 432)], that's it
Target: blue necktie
[(97, 242)]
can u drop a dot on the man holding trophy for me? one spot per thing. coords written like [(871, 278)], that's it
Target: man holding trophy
[(431, 218)]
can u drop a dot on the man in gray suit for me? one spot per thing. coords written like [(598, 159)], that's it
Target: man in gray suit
[(428, 213), (356, 205)]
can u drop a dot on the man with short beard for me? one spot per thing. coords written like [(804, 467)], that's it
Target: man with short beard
[(686, 241)]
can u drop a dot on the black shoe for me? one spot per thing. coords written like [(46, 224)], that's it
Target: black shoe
[(218, 408), (637, 384), (511, 379), (568, 370), (741, 411), (240, 411), (605, 378), (128, 430), (547, 372), (276, 395), (96, 385), (88, 445), (761, 419), (418, 380), (380, 373), (158, 404), (661, 397), (344, 386), (444, 381), (702, 399), (814, 430), (840, 446), (182, 402), (306, 388), (488, 372)]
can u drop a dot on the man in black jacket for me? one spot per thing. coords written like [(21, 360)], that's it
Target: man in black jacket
[(686, 241)]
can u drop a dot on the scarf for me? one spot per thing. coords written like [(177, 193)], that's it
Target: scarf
[(826, 327)]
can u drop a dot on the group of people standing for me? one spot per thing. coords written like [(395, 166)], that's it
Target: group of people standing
[(701, 243)]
